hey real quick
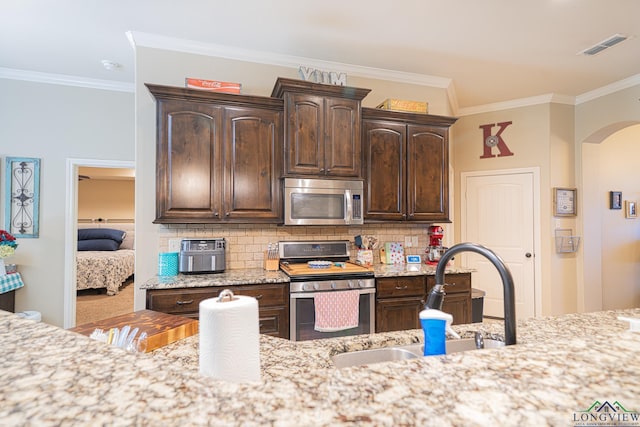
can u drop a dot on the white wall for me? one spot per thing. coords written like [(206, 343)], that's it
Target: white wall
[(53, 123), (618, 166), (596, 120), (106, 199)]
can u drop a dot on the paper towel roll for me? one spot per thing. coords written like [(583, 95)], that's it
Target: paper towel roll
[(230, 339)]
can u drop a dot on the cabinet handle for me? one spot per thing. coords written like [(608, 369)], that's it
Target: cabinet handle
[(404, 215), (184, 302), (216, 214), (258, 297), (321, 169), (402, 288), (227, 214)]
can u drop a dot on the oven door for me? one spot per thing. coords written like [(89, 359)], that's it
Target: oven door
[(302, 321)]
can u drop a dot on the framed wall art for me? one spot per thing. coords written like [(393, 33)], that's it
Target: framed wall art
[(615, 199), (22, 207), (630, 209), (564, 201)]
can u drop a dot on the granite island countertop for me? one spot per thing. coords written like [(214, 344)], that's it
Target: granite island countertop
[(257, 276), (559, 368)]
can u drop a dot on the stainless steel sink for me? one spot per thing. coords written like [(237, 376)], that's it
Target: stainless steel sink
[(412, 351)]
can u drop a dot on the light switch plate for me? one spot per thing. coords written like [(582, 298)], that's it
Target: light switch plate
[(407, 242)]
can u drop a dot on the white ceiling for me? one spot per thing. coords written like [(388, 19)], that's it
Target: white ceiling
[(488, 50)]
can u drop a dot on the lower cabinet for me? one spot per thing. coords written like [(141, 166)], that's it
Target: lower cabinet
[(399, 300), (273, 303), (457, 301)]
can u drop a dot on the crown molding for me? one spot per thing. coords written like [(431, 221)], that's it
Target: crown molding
[(156, 41), (517, 103), (608, 89), (66, 80)]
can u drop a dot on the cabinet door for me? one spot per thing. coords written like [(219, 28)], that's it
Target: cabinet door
[(457, 300), (459, 306), (188, 142), (343, 147), (427, 174), (304, 134), (398, 314), (252, 159), (384, 170)]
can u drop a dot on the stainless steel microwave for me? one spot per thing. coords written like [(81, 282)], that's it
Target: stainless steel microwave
[(323, 202)]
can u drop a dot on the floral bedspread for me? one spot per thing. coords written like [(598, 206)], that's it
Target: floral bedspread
[(104, 269)]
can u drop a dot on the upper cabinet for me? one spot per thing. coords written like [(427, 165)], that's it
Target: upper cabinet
[(322, 133), (219, 157), (406, 166)]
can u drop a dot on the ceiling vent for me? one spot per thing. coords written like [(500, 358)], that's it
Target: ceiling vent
[(605, 44)]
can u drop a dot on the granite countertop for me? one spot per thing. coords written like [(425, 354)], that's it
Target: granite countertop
[(257, 276), (559, 368)]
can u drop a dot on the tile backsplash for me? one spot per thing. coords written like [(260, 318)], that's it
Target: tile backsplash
[(246, 243)]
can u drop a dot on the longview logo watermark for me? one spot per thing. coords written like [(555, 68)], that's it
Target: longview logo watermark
[(606, 414)]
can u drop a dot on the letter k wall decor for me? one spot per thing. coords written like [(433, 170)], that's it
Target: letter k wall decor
[(22, 196), (489, 140)]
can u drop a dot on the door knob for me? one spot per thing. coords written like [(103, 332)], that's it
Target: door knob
[(528, 254)]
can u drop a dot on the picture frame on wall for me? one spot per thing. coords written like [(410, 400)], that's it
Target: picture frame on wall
[(564, 201), (22, 205), (615, 199), (630, 209)]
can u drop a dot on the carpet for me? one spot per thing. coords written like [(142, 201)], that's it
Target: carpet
[(93, 305)]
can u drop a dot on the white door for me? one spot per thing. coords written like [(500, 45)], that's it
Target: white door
[(498, 212)]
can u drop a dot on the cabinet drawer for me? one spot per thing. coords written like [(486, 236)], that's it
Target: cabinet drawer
[(389, 287), (267, 295), (455, 283), (179, 301), (274, 322)]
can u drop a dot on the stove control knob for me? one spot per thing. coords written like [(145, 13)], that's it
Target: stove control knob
[(316, 286), (333, 285), (359, 283), (351, 285)]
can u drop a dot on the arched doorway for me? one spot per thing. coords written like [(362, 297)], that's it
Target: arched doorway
[(611, 243)]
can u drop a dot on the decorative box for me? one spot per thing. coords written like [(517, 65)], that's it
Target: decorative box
[(213, 85), (404, 105), (392, 253)]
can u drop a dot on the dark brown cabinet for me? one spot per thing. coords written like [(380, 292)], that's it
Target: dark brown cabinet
[(273, 303), (413, 151), (219, 157), (322, 134), (399, 301), (457, 301)]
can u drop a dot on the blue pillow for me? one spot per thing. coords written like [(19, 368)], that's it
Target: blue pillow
[(101, 233), (98, 245)]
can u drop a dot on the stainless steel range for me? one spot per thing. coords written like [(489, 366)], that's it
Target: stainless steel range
[(317, 267)]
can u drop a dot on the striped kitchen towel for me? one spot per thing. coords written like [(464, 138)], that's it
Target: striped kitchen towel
[(336, 311), (10, 282)]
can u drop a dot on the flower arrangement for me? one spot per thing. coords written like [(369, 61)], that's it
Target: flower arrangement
[(8, 244)]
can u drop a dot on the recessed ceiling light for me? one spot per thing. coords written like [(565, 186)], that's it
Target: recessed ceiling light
[(110, 65), (604, 44)]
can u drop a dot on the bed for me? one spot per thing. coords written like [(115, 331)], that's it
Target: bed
[(112, 264)]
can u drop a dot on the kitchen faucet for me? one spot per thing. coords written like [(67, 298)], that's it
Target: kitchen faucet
[(437, 293)]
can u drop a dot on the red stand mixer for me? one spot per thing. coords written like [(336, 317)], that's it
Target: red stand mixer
[(435, 250)]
